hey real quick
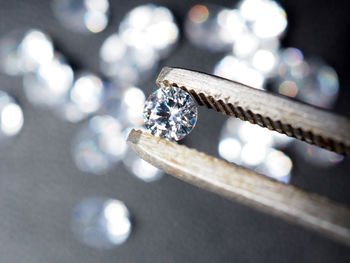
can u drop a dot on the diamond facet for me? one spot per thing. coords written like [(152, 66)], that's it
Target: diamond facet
[(170, 112)]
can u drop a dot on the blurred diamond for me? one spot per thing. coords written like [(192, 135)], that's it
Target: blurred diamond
[(84, 98), (252, 146), (49, 85), (316, 155), (101, 223), (36, 49), (150, 24), (23, 51), (84, 16), (126, 105), (310, 81), (11, 116), (140, 168), (238, 70), (99, 144), (126, 64), (266, 18), (170, 112), (213, 27)]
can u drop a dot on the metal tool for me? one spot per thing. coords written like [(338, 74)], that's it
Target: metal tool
[(292, 118)]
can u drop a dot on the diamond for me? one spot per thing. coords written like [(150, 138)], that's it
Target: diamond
[(170, 112)]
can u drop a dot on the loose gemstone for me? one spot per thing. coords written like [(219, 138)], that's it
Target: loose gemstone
[(170, 112)]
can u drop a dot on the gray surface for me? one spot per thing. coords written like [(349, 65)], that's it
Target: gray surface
[(174, 222)]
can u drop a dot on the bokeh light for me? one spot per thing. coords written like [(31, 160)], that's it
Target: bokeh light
[(101, 223)]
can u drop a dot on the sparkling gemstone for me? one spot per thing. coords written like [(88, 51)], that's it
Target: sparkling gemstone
[(49, 85), (126, 64), (101, 223), (151, 24), (84, 16), (140, 168), (311, 81), (11, 117), (84, 98), (253, 147), (170, 112), (213, 27), (99, 144)]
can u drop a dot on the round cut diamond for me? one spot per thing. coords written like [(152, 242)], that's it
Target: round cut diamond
[(170, 112)]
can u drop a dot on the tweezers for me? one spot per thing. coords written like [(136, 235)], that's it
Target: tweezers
[(281, 114)]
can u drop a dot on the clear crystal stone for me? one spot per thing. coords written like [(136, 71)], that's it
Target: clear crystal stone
[(99, 144), (213, 27), (84, 98), (101, 223), (151, 24), (170, 112), (140, 168), (11, 117), (49, 85), (126, 64), (84, 16)]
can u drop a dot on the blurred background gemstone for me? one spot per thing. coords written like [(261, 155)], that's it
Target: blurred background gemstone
[(126, 64), (11, 117), (101, 223), (84, 16), (84, 98), (124, 104), (152, 25), (23, 51), (49, 85), (140, 168), (213, 27), (311, 81), (254, 147), (317, 156), (232, 68), (266, 18), (99, 144)]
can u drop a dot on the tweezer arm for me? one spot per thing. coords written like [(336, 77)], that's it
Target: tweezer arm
[(244, 185), (278, 113)]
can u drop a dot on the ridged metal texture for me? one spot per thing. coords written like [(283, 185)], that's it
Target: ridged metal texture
[(295, 119)]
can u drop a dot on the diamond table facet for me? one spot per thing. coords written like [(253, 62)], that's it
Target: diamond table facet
[(170, 112)]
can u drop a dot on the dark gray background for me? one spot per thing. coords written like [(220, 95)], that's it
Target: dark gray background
[(174, 221)]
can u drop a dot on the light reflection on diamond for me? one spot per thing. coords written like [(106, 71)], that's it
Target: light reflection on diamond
[(213, 27), (125, 64), (101, 223), (84, 16), (140, 168), (252, 146), (237, 70), (50, 84), (84, 98), (170, 112), (151, 24), (99, 144), (11, 116)]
